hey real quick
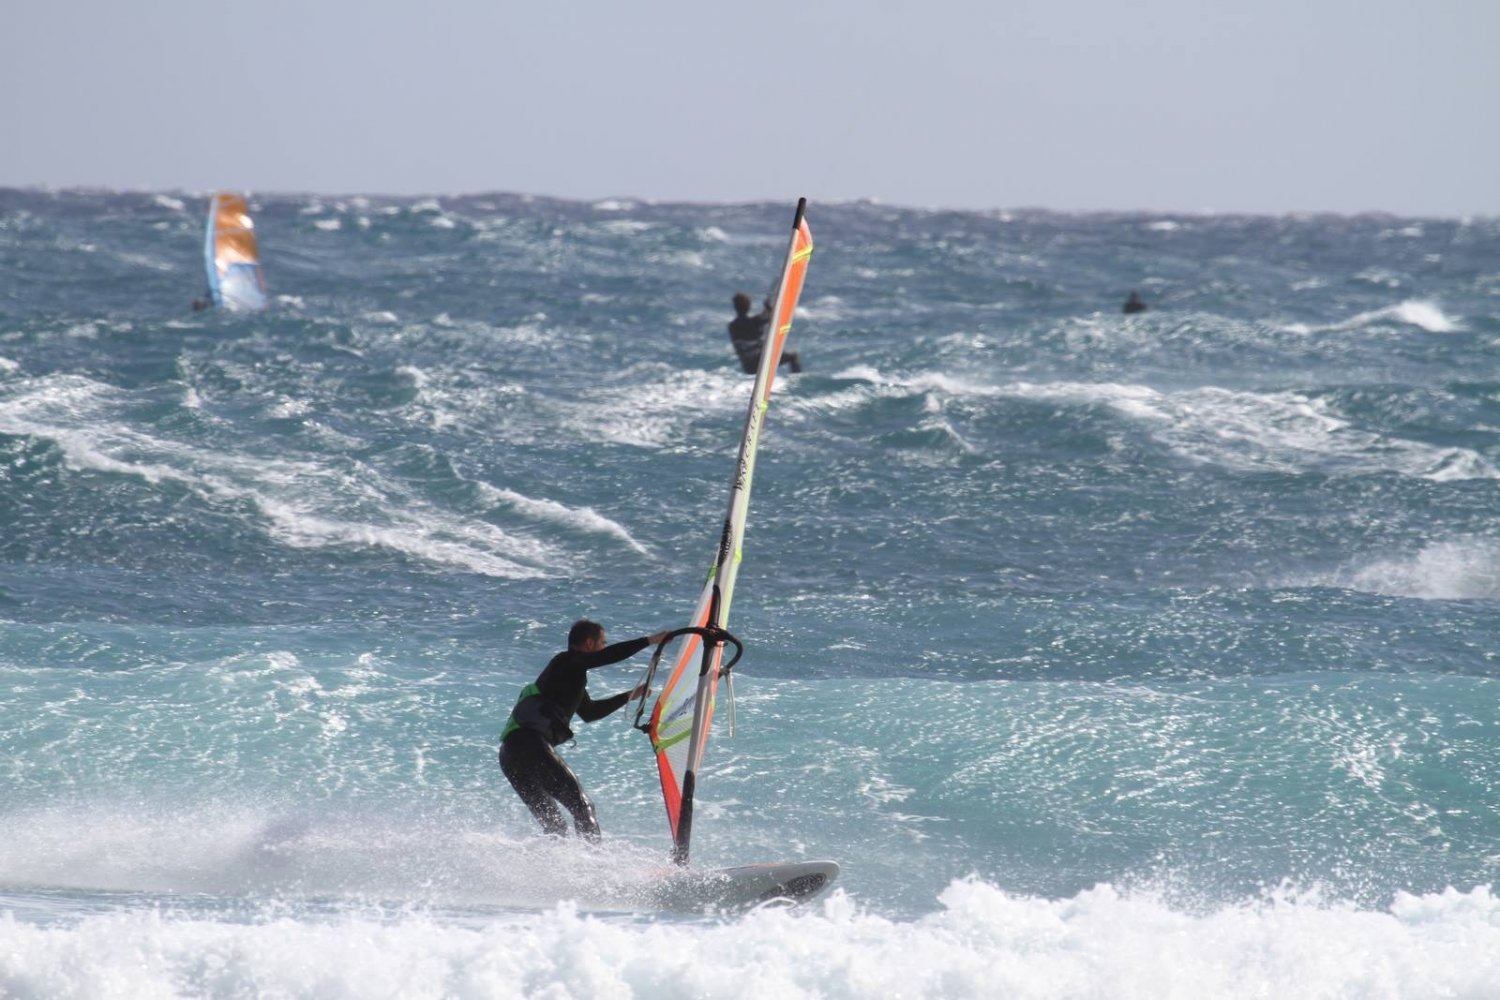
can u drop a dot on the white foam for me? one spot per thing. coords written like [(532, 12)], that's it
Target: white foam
[(417, 375), (626, 227), (1427, 316), (921, 382), (1452, 570), (863, 373), (1286, 432), (582, 519), (166, 201), (1380, 276), (825, 308), (288, 408), (296, 527), (1412, 312), (328, 225), (306, 504), (226, 849), (982, 943), (1269, 432), (654, 413)]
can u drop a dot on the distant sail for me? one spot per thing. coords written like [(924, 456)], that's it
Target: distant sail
[(234, 275), (684, 710)]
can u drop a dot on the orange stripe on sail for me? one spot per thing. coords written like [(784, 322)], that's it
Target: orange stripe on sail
[(801, 256), (671, 781), (234, 233)]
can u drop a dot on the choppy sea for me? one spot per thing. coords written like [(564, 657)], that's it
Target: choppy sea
[(1145, 656)]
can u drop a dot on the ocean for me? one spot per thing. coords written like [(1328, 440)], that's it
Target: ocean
[(1137, 656)]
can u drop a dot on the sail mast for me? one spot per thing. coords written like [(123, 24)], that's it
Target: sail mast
[(669, 728)]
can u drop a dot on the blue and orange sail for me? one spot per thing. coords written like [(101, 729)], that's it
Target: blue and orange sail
[(231, 256), (683, 713)]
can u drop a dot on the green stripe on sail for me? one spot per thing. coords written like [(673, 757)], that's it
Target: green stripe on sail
[(663, 745)]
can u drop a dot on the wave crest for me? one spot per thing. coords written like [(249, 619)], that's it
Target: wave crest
[(1454, 570), (983, 943)]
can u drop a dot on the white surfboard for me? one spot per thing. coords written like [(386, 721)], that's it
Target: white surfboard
[(696, 890)]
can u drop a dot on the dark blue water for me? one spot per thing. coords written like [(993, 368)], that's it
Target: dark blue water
[(1104, 652)]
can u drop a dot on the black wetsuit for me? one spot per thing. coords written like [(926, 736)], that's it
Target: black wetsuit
[(540, 721), (748, 334)]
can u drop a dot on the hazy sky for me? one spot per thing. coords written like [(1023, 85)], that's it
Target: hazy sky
[(1178, 105)]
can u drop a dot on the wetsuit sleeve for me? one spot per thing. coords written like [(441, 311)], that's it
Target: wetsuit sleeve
[(610, 654), (590, 710)]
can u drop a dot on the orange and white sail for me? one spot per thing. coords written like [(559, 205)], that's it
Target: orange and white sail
[(683, 712), (235, 279)]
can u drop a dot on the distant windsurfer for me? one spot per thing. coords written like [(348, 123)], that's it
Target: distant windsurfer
[(1134, 303), (540, 722), (748, 335), (203, 303)]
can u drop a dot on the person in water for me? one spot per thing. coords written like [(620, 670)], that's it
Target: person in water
[(1135, 304), (748, 335), (201, 304), (540, 722)]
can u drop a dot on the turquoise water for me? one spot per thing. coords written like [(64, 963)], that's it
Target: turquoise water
[(1109, 655)]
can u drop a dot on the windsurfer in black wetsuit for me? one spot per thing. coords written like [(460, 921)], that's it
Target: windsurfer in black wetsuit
[(1134, 303), (748, 334), (540, 722)]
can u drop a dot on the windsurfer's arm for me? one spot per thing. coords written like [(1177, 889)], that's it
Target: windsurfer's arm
[(590, 710), (617, 652), (609, 654)]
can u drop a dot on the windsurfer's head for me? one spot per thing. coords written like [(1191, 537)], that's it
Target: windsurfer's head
[(741, 303), (586, 636)]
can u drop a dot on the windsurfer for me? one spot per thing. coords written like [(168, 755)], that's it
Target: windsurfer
[(1135, 304), (540, 722), (748, 333)]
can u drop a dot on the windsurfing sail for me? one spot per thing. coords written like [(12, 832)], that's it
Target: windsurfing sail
[(235, 279), (683, 712)]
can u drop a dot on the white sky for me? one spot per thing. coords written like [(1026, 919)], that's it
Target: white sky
[(1172, 105)]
